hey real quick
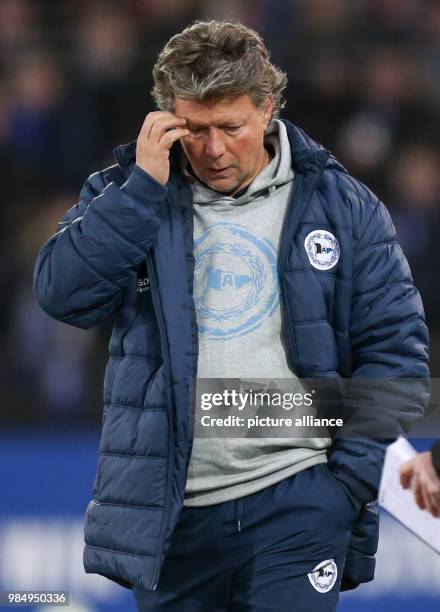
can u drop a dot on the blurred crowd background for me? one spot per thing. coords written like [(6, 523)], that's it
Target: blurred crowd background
[(75, 79)]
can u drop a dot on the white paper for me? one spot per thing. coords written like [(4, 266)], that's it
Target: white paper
[(399, 502)]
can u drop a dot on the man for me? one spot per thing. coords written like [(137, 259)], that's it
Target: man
[(227, 244), (422, 474)]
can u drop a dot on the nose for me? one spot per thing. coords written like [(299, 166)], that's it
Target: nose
[(215, 146)]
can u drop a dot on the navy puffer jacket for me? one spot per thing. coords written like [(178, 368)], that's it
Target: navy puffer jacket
[(126, 249)]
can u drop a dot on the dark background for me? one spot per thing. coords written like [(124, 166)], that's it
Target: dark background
[(75, 79)]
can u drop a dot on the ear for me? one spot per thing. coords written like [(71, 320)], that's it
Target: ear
[(268, 110)]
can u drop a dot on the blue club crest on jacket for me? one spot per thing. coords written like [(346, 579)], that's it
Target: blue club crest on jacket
[(323, 249)]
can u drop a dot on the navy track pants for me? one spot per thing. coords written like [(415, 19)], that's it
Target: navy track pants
[(279, 550)]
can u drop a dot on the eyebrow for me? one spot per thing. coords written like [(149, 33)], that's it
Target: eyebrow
[(222, 122), (190, 124), (197, 126)]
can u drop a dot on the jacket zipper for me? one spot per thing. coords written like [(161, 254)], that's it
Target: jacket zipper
[(293, 215), (281, 266), (165, 351)]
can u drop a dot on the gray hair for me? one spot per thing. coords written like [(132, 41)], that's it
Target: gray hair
[(214, 59)]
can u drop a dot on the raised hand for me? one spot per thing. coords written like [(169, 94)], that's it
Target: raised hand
[(159, 132)]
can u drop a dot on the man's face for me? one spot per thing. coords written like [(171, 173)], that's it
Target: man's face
[(225, 146)]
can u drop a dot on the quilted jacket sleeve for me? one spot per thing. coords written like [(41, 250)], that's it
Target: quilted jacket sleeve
[(389, 341), (82, 272), (388, 333)]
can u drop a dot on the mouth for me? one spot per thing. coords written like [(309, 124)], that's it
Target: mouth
[(219, 171)]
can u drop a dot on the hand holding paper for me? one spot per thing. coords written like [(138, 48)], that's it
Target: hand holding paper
[(399, 502), (419, 474)]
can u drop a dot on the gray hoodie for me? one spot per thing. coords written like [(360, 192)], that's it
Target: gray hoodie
[(236, 294)]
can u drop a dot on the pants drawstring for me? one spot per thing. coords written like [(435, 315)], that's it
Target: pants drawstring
[(238, 514)]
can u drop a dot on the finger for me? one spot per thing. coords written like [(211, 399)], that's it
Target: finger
[(432, 506), (406, 473), (418, 495), (435, 508), (152, 118), (424, 491), (147, 124), (433, 493), (171, 136), (163, 124)]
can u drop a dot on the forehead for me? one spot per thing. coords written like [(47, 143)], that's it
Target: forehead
[(219, 110)]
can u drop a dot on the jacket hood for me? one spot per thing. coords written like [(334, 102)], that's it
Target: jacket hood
[(307, 154)]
